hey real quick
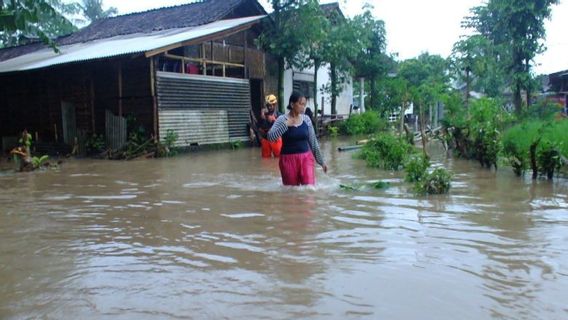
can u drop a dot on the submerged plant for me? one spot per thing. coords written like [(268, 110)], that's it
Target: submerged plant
[(386, 151), (236, 144), (95, 143), (548, 158), (437, 182), (333, 131), (416, 167), (39, 161), (381, 185)]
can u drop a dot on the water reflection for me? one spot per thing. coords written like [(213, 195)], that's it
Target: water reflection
[(215, 235)]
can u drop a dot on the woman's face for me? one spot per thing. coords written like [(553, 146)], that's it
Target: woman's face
[(299, 105)]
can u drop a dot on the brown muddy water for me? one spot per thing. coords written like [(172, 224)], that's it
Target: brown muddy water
[(213, 235)]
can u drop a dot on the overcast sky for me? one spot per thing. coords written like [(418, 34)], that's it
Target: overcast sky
[(416, 26)]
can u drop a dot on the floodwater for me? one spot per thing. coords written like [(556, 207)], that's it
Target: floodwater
[(213, 235)]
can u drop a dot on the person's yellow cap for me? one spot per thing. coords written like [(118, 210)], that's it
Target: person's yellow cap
[(271, 99)]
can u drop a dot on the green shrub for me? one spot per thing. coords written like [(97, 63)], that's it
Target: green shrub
[(558, 133), (333, 131), (381, 184), (548, 158), (168, 149), (543, 109), (237, 144), (95, 144), (437, 182), (516, 144), (365, 123), (416, 167), (39, 161), (476, 132), (551, 144), (386, 151)]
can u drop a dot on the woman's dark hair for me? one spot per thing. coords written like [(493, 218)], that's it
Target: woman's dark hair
[(295, 97)]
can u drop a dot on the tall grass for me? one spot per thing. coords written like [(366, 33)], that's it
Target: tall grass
[(549, 140)]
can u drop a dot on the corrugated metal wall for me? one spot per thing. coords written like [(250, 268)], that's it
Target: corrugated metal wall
[(203, 109), (115, 130)]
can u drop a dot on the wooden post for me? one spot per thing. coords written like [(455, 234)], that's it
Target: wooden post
[(203, 59), (245, 46), (92, 91), (154, 98), (120, 89)]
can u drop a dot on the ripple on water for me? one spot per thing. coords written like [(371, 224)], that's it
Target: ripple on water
[(242, 215), (120, 197)]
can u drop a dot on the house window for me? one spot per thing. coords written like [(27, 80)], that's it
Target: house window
[(305, 87)]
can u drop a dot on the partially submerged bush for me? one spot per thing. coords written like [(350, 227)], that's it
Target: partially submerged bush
[(365, 123), (416, 167), (168, 148), (95, 144), (40, 161), (516, 143), (437, 182), (548, 158), (477, 133), (386, 152), (540, 145)]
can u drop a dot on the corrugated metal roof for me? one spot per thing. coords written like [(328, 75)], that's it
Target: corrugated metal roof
[(119, 45)]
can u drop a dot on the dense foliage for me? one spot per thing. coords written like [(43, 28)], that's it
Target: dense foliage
[(365, 123), (436, 182), (386, 151), (538, 145)]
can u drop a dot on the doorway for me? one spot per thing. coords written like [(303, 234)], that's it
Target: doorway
[(69, 123)]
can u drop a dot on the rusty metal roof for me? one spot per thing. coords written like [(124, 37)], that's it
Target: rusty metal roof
[(123, 44)]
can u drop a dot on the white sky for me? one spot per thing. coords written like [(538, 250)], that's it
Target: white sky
[(416, 26)]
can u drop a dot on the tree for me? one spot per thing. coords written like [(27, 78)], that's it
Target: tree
[(474, 61), (93, 10), (22, 21), (346, 40), (316, 34), (517, 27), (427, 79), (283, 36), (372, 62)]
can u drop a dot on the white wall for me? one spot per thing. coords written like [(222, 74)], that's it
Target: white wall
[(344, 100)]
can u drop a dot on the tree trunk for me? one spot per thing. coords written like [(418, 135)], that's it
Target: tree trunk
[(528, 86), (401, 114), (532, 153), (281, 100), (467, 87), (517, 100), (424, 138), (315, 93), (373, 95)]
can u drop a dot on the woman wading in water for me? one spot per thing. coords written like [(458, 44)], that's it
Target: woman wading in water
[(299, 144)]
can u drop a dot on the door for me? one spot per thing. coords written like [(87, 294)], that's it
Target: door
[(69, 122), (256, 96)]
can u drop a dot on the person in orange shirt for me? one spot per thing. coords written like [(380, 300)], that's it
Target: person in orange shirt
[(268, 116)]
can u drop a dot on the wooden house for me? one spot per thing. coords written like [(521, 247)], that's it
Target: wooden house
[(191, 68)]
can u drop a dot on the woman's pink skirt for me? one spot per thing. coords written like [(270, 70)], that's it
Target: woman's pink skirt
[(297, 169)]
